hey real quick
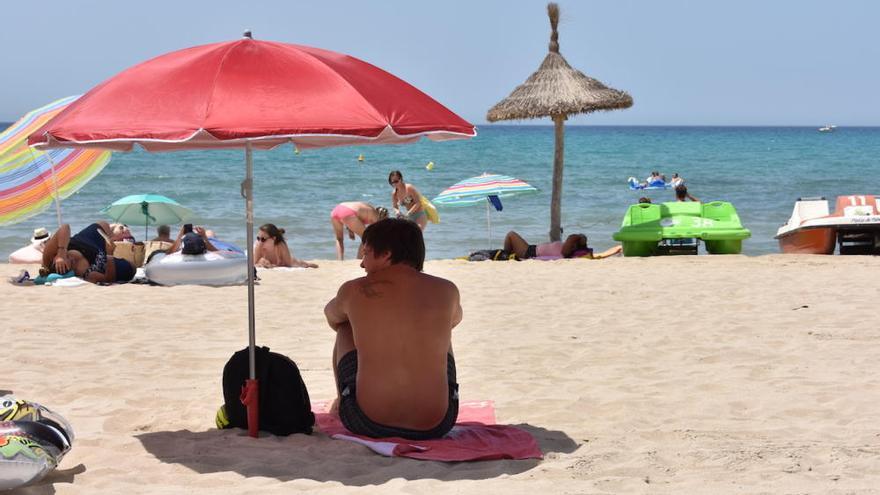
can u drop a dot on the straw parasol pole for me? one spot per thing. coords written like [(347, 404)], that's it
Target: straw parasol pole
[(556, 90)]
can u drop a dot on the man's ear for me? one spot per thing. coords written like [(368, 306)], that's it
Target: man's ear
[(385, 257)]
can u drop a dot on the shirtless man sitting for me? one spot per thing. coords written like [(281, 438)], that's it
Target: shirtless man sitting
[(393, 363)]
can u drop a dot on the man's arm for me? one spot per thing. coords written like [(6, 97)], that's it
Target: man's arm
[(457, 313), (335, 310), (57, 246)]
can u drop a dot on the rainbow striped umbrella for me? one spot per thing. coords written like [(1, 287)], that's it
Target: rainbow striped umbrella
[(30, 179), (483, 188)]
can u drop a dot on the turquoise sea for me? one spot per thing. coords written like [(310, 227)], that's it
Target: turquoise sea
[(761, 170)]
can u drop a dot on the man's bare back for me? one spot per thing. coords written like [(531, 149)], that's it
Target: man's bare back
[(400, 321)]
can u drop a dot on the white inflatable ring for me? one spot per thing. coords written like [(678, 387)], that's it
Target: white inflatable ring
[(211, 268)]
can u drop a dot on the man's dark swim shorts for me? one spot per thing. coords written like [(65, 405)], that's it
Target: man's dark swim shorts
[(357, 422)]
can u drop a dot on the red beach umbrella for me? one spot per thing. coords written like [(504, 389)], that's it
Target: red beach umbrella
[(250, 94)]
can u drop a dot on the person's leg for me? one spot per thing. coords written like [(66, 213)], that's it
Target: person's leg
[(343, 345), (338, 231), (355, 225), (514, 243), (422, 221)]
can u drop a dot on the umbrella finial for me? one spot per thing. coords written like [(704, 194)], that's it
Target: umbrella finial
[(553, 12), (247, 34)]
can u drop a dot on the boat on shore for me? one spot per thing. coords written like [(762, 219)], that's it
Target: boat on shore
[(678, 227), (854, 226)]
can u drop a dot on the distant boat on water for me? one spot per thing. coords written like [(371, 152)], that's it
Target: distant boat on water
[(827, 128)]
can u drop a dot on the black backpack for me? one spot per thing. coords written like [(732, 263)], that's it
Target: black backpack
[(284, 401)]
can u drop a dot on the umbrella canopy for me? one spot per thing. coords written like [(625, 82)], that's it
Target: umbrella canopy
[(482, 189), (30, 179), (260, 93), (557, 90), (477, 189), (147, 209), (250, 94)]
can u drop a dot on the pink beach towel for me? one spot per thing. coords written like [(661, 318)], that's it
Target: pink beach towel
[(475, 437)]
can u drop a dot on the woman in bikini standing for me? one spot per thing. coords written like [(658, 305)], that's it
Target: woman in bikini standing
[(355, 216), (409, 198)]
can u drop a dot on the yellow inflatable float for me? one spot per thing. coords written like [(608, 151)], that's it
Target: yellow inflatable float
[(430, 210)]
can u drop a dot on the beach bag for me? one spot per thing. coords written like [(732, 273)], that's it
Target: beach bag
[(491, 254), (132, 252), (152, 246), (283, 399)]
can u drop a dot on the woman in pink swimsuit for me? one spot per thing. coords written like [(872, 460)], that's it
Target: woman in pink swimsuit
[(355, 216)]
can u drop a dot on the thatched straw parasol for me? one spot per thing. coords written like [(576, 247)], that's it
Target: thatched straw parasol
[(557, 90)]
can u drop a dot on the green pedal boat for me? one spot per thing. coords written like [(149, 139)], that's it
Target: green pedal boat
[(677, 227)]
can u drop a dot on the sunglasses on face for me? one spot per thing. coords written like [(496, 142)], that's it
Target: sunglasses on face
[(262, 239), (393, 182)]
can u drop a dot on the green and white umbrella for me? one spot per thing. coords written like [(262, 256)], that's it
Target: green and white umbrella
[(146, 210)]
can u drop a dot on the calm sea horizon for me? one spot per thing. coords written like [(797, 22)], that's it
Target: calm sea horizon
[(761, 170)]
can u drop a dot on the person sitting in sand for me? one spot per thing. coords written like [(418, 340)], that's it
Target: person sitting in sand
[(394, 369), (270, 249), (163, 234), (354, 216), (515, 243), (681, 194), (187, 235), (407, 197), (89, 254)]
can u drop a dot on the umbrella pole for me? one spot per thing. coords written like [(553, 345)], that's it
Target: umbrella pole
[(54, 186), (488, 224), (249, 393)]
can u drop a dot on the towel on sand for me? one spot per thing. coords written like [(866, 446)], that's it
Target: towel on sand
[(475, 437)]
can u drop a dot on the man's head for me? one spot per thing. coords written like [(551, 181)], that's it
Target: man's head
[(681, 192), (644, 199), (392, 241), (574, 242), (163, 231), (119, 231)]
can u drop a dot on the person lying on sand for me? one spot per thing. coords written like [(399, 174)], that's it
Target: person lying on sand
[(394, 369), (89, 254), (515, 243), (574, 245)]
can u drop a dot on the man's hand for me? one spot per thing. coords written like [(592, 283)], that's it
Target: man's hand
[(61, 265)]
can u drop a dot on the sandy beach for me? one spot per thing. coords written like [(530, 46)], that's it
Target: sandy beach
[(660, 375)]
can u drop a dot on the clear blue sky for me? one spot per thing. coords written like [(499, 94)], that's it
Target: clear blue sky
[(749, 62)]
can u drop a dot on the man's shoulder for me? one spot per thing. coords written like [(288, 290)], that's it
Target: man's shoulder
[(438, 282)]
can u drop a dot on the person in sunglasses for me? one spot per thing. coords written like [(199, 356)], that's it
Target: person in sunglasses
[(406, 200), (271, 250)]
